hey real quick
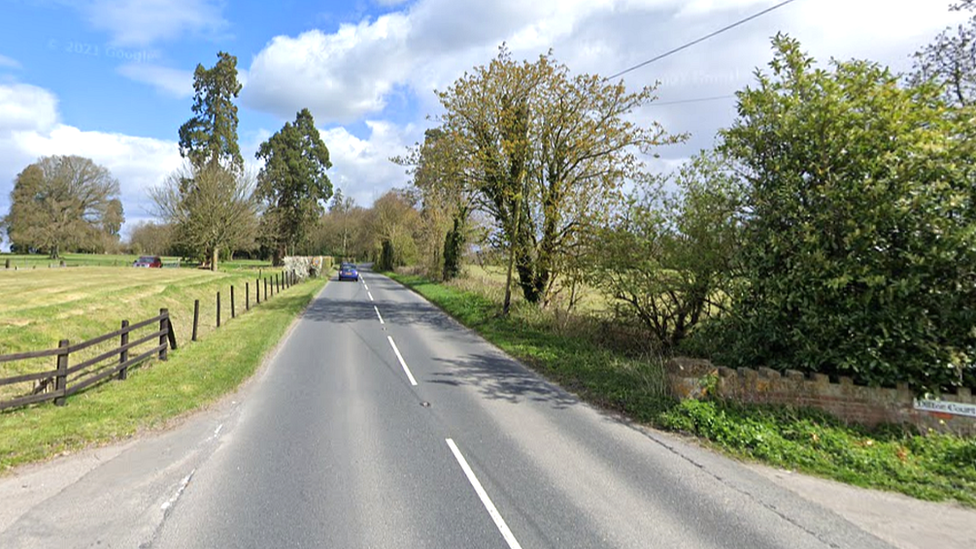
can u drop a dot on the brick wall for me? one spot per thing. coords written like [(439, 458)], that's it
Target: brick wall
[(868, 406)]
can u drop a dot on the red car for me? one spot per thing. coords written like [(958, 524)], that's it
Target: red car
[(153, 261)]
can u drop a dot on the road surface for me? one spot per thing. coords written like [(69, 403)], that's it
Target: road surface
[(380, 422)]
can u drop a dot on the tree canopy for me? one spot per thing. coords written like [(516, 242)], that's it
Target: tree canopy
[(210, 136), (293, 183), (860, 240), (545, 152), (64, 203)]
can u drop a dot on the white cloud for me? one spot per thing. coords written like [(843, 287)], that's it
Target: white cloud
[(30, 129), (172, 82), (361, 167), (339, 76), (355, 71), (26, 107), (9, 62), (144, 22)]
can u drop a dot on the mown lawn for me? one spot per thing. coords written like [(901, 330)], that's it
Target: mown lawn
[(40, 307)]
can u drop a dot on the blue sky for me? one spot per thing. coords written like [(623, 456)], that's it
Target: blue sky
[(112, 79)]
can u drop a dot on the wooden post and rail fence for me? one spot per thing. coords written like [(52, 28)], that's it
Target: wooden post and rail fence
[(67, 379)]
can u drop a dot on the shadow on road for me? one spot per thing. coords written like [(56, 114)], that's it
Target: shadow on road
[(499, 378)]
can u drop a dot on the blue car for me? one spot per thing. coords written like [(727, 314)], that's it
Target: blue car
[(348, 271)]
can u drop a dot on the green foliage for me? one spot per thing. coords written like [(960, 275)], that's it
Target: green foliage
[(453, 247), (933, 467), (668, 261), (292, 184), (393, 223), (544, 153), (210, 137), (860, 243), (64, 203)]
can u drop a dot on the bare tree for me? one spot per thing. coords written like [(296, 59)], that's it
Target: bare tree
[(211, 208)]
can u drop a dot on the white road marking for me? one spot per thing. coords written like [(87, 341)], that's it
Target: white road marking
[(378, 314), (217, 430), (402, 363), (365, 286), (179, 491), (370, 295), (480, 490)]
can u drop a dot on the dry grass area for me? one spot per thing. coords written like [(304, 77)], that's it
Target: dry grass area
[(490, 281)]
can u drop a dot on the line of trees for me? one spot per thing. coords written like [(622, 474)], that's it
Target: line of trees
[(213, 206), (832, 229)]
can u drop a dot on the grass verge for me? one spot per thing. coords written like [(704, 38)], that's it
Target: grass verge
[(931, 467), (194, 376)]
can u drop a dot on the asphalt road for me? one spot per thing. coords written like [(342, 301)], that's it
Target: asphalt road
[(382, 423)]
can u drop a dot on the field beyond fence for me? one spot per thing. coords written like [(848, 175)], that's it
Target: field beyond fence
[(42, 307)]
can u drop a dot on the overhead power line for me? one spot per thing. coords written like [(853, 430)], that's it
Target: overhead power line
[(697, 100), (702, 39)]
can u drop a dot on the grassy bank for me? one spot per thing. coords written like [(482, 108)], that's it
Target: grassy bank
[(194, 375), (934, 467)]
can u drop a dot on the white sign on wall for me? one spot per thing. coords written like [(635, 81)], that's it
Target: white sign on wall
[(946, 407)]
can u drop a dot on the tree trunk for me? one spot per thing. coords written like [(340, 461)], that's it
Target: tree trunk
[(213, 260)]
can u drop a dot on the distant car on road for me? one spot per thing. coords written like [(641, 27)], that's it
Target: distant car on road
[(348, 271), (153, 261)]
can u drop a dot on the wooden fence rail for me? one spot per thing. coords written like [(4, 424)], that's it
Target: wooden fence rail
[(68, 379)]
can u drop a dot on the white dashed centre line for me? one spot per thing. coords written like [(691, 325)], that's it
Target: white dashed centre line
[(402, 363), (375, 308), (370, 295), (485, 500)]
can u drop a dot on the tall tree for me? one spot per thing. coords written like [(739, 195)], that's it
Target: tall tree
[(859, 250), (218, 213), (64, 203), (210, 137), (293, 184), (446, 202), (547, 152)]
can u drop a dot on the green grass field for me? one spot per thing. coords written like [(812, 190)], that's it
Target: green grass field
[(40, 261), (195, 374), (40, 307)]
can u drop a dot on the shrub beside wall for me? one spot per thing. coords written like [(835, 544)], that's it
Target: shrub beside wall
[(868, 406)]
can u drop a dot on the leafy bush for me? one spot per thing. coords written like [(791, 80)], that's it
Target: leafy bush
[(860, 240)]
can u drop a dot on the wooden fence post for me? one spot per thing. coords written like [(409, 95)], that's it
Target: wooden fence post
[(278, 282), (196, 318), (124, 355), (164, 328), (265, 289), (61, 377), (257, 290), (247, 296), (232, 313), (218, 309)]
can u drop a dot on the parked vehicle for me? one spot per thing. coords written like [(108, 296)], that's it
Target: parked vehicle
[(152, 261), (348, 271)]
